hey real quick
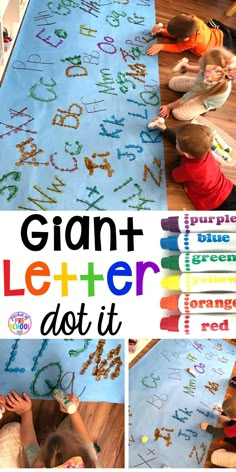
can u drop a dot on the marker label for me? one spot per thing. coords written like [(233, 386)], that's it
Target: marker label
[(191, 325), (197, 282), (187, 223), (200, 242), (200, 303), (191, 262)]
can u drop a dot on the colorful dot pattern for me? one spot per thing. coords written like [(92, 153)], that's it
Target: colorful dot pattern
[(186, 242), (187, 269), (186, 223), (186, 324), (187, 262)]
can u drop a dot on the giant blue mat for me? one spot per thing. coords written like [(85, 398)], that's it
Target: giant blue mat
[(167, 404), (89, 368), (75, 103)]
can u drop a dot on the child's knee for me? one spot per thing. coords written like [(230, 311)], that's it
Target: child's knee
[(178, 114), (172, 83), (179, 83), (12, 428)]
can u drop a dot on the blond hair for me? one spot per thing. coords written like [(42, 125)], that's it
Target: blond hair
[(194, 139), (57, 448), (61, 446), (217, 57), (229, 407)]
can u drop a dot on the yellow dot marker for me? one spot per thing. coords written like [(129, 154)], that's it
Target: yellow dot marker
[(144, 439)]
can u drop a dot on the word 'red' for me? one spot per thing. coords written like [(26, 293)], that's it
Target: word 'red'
[(223, 326)]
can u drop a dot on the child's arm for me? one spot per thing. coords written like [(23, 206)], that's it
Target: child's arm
[(77, 421), (168, 133), (178, 47), (79, 426), (180, 174), (166, 109), (217, 432), (191, 68), (160, 30), (23, 408)]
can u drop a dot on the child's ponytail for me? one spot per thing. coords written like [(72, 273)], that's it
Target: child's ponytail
[(60, 447), (218, 66)]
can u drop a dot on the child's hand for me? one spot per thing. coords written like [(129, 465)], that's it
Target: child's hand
[(204, 426), (17, 404), (164, 111), (156, 30), (154, 49), (217, 407), (72, 398), (158, 125)]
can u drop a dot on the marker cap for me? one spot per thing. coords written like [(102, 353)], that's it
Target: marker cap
[(71, 409), (171, 243), (170, 224), (171, 282), (164, 224), (170, 323), (171, 262), (170, 303)]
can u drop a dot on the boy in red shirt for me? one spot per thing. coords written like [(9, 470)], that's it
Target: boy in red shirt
[(228, 430), (194, 35), (204, 182)]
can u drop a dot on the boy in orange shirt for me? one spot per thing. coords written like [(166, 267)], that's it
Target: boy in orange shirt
[(194, 35)]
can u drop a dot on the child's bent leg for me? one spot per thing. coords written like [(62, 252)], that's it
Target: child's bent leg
[(64, 424), (10, 446), (188, 112), (181, 83), (229, 34), (222, 27), (223, 458)]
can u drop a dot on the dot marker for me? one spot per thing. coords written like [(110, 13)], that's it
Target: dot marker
[(190, 371), (144, 439), (158, 121)]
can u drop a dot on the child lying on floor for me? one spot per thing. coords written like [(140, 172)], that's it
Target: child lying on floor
[(194, 35)]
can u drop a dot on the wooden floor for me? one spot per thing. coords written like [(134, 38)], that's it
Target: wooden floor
[(229, 392), (225, 117), (105, 422)]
